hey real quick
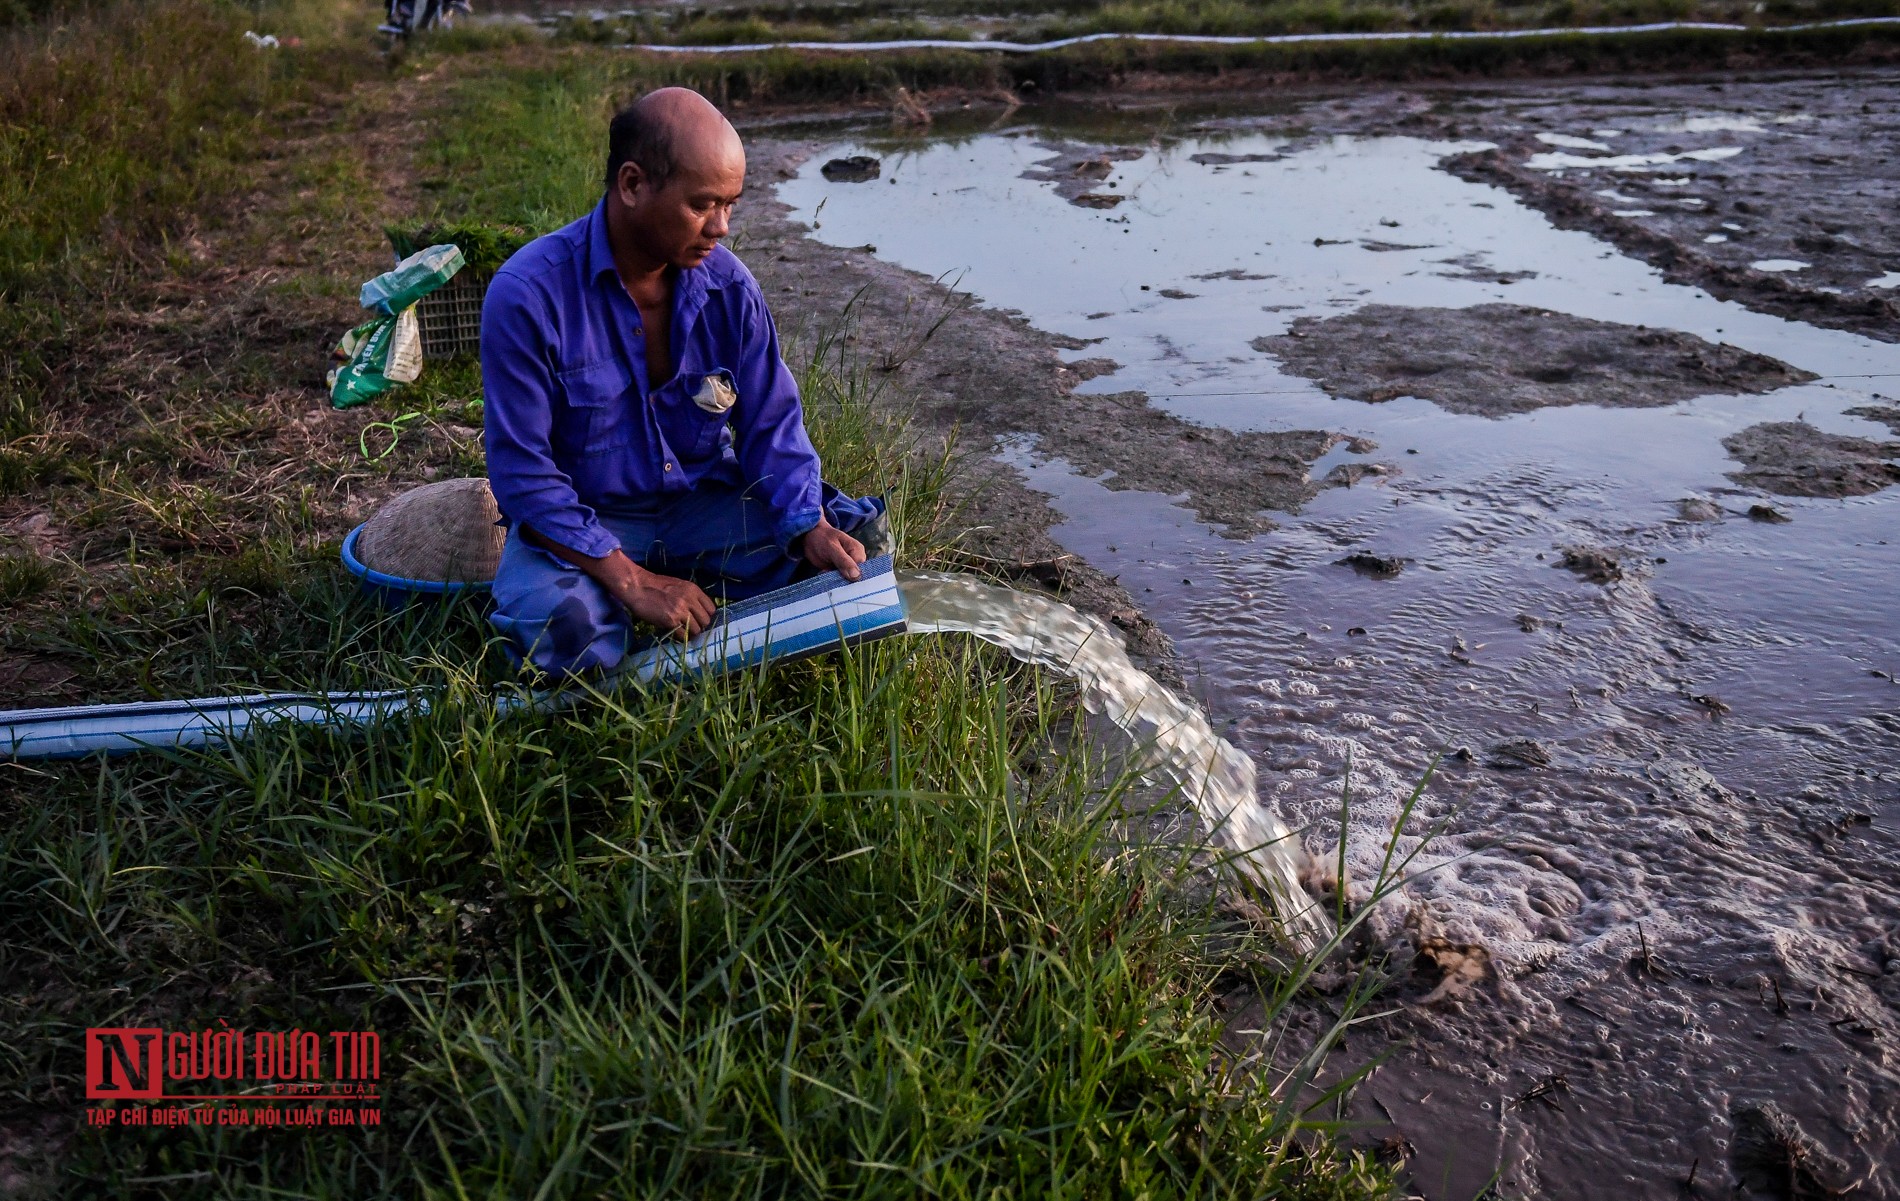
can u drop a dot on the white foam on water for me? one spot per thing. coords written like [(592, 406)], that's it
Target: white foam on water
[(1657, 818), (1557, 160), (1297, 226), (1572, 143)]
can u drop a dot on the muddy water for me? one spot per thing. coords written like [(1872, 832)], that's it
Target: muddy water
[(1672, 815)]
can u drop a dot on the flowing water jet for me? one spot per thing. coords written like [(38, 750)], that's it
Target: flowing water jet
[(1173, 740)]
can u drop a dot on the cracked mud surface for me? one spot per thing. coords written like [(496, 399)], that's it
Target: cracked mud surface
[(1793, 171)]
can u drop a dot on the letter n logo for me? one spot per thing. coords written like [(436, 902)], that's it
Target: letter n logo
[(123, 1063)]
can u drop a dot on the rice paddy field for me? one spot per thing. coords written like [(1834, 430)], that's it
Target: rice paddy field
[(897, 921)]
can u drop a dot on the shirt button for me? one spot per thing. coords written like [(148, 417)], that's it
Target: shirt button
[(669, 467)]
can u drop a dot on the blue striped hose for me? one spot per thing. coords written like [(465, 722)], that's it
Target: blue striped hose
[(807, 618)]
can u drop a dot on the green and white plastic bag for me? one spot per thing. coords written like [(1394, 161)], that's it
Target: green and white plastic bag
[(388, 350), (413, 278), (374, 356)]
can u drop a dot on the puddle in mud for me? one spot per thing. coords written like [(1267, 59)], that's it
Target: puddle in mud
[(1682, 755)]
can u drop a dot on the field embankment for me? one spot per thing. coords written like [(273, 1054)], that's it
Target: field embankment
[(739, 22)]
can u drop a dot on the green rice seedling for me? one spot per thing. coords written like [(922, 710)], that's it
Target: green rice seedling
[(484, 247), (25, 466), (447, 390), (226, 422), (29, 454), (269, 568), (18, 471), (177, 514)]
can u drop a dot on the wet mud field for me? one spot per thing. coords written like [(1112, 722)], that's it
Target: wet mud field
[(1492, 422)]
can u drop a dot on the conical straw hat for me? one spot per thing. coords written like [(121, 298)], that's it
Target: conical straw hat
[(443, 532)]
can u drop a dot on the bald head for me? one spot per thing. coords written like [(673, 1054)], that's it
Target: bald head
[(675, 168), (667, 131)]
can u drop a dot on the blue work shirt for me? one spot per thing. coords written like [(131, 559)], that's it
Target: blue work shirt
[(573, 425)]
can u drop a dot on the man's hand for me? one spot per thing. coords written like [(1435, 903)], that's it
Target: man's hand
[(829, 548), (678, 608)]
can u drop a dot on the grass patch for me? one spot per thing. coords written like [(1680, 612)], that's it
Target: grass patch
[(845, 930), (139, 373), (23, 576), (552, 113), (788, 77), (859, 927), (105, 137), (1240, 18)]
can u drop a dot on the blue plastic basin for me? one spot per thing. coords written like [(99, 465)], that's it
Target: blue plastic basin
[(393, 590)]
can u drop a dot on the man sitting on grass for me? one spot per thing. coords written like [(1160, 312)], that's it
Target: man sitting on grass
[(645, 441)]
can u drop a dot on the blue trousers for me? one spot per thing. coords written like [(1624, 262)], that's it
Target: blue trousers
[(556, 617)]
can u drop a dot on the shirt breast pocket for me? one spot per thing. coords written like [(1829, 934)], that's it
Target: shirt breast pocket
[(696, 407), (596, 408)]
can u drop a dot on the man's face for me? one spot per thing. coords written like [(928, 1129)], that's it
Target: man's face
[(680, 223)]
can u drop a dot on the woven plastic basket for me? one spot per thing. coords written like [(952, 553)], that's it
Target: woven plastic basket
[(451, 316)]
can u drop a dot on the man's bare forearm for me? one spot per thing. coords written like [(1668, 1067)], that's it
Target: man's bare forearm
[(614, 571), (678, 607)]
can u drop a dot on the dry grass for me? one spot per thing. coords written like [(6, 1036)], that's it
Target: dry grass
[(163, 428)]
